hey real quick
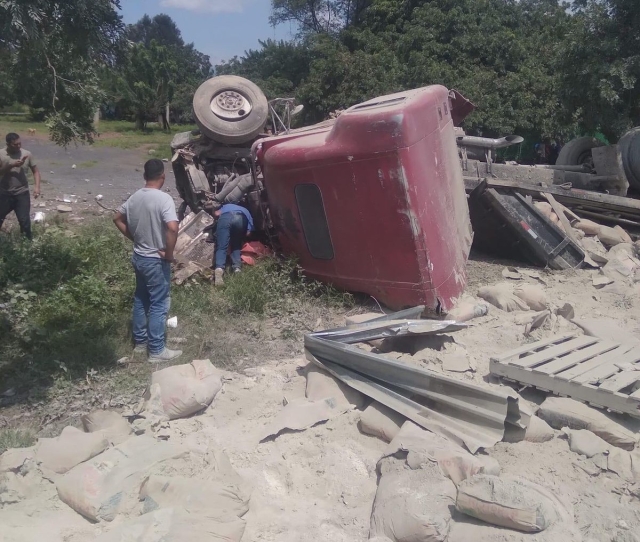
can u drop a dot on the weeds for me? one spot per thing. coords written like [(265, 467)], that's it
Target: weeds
[(12, 438)]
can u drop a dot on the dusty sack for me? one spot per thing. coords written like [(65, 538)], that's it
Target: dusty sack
[(589, 227), (97, 488), (533, 296), (584, 442), (72, 447), (221, 493), (412, 506), (561, 412), (423, 447), (380, 421), (175, 525), (610, 237), (509, 502), (114, 427), (187, 389), (501, 295), (322, 385)]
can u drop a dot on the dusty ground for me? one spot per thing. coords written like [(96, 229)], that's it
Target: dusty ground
[(319, 485)]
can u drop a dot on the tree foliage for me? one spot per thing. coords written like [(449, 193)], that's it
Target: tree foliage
[(533, 67), (51, 52)]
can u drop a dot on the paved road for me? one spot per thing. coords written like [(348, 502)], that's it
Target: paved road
[(115, 173)]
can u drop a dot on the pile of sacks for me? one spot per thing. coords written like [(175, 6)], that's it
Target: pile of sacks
[(113, 468)]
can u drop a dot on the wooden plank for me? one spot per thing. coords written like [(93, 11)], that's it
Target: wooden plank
[(571, 374), (565, 362), (550, 353), (605, 369), (532, 346), (620, 381), (587, 394), (557, 209)]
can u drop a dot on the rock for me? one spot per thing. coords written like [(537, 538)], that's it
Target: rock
[(65, 209)]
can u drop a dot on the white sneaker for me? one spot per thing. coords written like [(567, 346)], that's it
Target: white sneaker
[(217, 277), (165, 355)]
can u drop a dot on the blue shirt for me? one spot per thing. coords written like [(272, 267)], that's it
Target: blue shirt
[(232, 208)]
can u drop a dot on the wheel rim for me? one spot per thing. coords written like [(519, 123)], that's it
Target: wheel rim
[(230, 105)]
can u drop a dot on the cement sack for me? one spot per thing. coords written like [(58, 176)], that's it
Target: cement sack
[(412, 506), (607, 330), (537, 431), (322, 385), (187, 389), (72, 447), (510, 502), (610, 237), (113, 426), (589, 227), (175, 525), (14, 459), (623, 234), (97, 489), (501, 295), (584, 442), (561, 412), (380, 421), (222, 492), (423, 447), (546, 209), (533, 296)]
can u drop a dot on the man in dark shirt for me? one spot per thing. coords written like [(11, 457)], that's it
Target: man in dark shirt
[(14, 185), (234, 223)]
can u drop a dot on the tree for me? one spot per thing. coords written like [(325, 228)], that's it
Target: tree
[(147, 82), (318, 16), (56, 48), (601, 66), (190, 67)]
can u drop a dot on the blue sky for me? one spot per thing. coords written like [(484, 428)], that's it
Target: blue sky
[(219, 28)]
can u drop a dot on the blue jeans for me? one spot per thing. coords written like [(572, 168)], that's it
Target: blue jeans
[(151, 301), (230, 232)]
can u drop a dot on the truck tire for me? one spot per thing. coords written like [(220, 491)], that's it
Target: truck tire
[(230, 109), (578, 152), (629, 146)]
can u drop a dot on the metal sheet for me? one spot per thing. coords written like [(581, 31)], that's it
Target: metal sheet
[(467, 413)]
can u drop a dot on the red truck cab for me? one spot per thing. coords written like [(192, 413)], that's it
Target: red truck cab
[(374, 202)]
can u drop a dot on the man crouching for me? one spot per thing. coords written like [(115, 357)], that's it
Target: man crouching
[(149, 219)]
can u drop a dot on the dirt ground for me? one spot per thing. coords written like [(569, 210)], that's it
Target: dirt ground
[(318, 485)]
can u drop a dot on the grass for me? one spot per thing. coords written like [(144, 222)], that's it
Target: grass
[(65, 302), (88, 164), (13, 438), (112, 133)]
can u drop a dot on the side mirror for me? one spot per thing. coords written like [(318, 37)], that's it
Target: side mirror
[(297, 109)]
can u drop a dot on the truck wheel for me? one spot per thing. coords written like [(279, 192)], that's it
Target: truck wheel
[(629, 146), (230, 109), (578, 152)]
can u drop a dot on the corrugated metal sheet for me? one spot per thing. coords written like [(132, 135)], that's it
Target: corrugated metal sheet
[(467, 413)]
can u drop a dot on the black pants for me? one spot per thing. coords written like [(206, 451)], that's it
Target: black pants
[(21, 205)]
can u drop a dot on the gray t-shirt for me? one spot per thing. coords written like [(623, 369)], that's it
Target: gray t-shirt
[(147, 213), (15, 182)]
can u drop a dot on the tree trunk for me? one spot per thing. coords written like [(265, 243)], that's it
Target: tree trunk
[(140, 123)]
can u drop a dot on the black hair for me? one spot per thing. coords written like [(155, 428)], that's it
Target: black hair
[(11, 137), (153, 169)]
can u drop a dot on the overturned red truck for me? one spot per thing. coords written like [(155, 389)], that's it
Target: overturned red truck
[(372, 201)]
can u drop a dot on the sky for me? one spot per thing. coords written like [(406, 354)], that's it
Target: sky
[(218, 28)]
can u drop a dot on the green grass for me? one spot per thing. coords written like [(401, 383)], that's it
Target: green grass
[(88, 164), (65, 305), (12, 438), (111, 133)]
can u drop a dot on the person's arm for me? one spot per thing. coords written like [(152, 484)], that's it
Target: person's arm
[(36, 177), (172, 238), (121, 223), (7, 166)]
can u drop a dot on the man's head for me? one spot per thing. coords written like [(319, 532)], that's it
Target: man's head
[(154, 172), (13, 142)]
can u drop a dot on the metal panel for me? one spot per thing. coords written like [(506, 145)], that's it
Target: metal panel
[(470, 414)]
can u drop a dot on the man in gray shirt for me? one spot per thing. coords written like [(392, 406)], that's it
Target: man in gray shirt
[(149, 219), (14, 186)]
